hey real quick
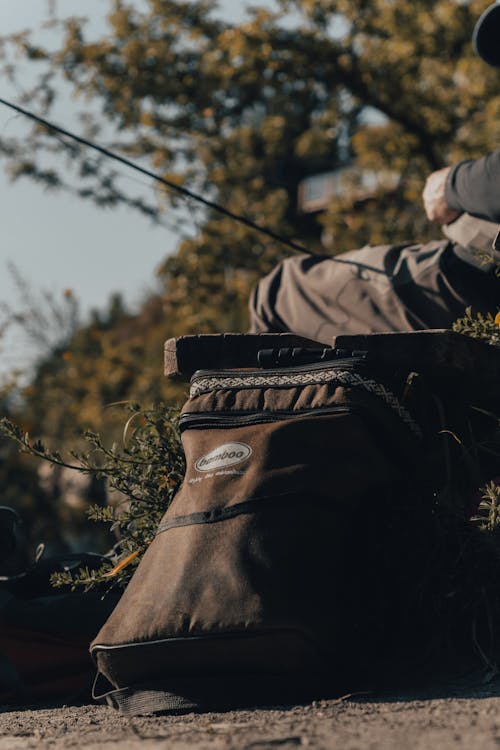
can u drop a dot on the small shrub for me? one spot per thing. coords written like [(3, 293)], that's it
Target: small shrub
[(144, 472), (479, 326)]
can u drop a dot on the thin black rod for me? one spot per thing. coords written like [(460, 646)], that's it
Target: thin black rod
[(178, 188)]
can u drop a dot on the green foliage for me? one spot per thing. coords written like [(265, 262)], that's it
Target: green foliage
[(77, 372), (143, 474), (488, 514), (479, 326)]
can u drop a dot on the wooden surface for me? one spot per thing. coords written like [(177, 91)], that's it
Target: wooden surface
[(436, 352), (440, 353), (186, 354)]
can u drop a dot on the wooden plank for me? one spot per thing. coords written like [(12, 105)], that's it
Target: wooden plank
[(186, 354), (439, 352)]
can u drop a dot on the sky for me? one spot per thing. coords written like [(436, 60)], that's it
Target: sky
[(57, 241)]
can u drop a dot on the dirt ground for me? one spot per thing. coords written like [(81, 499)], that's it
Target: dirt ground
[(465, 715)]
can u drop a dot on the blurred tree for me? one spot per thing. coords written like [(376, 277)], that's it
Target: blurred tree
[(243, 112), (51, 501), (80, 371), (19, 484)]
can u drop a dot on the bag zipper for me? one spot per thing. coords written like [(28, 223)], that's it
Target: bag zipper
[(202, 421), (346, 364)]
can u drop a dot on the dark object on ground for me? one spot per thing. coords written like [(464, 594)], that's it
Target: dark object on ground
[(15, 554), (44, 633)]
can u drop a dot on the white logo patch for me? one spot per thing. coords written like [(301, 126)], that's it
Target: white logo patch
[(228, 454)]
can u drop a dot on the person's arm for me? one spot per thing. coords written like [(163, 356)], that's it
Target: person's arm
[(471, 187), (474, 187)]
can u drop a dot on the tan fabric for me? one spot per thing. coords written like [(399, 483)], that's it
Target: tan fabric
[(478, 241), (371, 290)]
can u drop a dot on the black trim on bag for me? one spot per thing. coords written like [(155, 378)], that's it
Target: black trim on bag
[(223, 514), (218, 635), (204, 420)]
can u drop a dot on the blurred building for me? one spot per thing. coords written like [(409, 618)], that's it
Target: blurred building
[(317, 191)]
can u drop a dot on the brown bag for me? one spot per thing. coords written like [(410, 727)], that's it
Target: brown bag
[(250, 591)]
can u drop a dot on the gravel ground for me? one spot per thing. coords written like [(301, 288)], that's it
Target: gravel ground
[(454, 716)]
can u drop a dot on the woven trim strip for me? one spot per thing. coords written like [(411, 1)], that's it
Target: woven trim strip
[(319, 377)]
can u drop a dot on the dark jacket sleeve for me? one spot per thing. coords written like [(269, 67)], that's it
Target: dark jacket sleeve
[(474, 187)]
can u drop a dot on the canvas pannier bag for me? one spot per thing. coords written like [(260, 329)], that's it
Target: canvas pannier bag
[(246, 593)]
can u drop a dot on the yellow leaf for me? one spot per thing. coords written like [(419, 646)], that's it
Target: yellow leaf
[(122, 564)]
